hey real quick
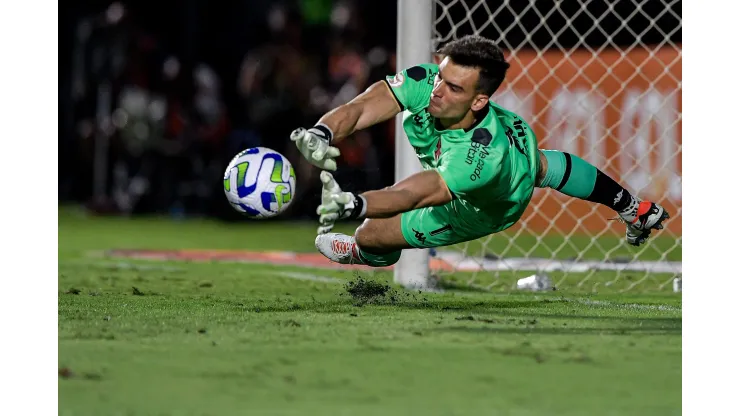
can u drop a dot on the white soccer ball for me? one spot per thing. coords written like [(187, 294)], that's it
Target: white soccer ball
[(259, 183)]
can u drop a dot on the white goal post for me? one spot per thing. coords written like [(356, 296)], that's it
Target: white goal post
[(414, 46), (597, 78)]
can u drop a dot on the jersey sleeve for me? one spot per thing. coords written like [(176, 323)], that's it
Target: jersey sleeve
[(413, 86), (468, 168)]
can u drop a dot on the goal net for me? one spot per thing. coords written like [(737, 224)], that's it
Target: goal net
[(600, 79)]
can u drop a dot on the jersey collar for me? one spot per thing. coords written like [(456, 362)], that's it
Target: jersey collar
[(479, 117)]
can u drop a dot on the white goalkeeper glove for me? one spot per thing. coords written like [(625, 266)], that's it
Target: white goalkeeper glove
[(315, 145), (337, 205)]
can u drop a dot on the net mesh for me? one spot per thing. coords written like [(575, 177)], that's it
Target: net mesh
[(601, 80)]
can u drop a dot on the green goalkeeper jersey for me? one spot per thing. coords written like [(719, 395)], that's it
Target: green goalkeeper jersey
[(489, 168)]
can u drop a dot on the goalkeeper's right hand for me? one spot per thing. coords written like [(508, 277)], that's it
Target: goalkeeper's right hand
[(337, 204), (314, 145)]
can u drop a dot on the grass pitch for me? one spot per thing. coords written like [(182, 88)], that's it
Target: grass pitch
[(175, 338)]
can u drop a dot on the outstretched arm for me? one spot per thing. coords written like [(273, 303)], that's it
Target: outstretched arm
[(375, 105), (423, 189)]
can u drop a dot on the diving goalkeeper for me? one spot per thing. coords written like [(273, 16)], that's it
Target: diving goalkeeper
[(481, 163)]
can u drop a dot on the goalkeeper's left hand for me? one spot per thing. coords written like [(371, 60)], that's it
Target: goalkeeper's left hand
[(315, 145), (336, 204)]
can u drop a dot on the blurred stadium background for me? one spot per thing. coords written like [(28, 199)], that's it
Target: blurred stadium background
[(177, 88)]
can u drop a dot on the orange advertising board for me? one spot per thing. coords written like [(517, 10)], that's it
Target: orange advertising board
[(620, 111)]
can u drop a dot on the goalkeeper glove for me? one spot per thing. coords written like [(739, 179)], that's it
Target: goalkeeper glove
[(314, 145), (337, 205)]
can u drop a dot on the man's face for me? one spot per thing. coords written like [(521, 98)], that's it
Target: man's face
[(454, 91)]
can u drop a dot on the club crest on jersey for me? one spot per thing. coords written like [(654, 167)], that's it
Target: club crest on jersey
[(397, 80), (438, 150)]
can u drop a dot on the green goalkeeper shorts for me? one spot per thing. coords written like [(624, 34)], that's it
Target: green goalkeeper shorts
[(448, 224), (433, 227)]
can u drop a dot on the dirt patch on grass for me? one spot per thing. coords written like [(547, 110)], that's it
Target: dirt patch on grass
[(366, 291)]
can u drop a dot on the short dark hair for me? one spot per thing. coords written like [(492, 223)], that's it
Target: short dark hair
[(479, 52)]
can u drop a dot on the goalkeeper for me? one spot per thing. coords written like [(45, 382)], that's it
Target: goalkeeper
[(481, 163)]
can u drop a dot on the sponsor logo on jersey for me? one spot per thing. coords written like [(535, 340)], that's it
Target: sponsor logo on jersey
[(431, 77), (515, 141), (476, 156), (422, 119), (397, 81)]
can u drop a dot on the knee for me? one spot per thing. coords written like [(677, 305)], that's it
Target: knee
[(364, 236), (380, 236)]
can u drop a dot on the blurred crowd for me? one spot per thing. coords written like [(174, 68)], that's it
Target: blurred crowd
[(155, 98), (156, 104)]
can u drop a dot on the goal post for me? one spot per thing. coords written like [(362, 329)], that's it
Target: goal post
[(600, 79), (413, 46)]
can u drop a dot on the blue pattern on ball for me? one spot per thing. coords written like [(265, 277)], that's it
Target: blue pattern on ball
[(243, 191), (267, 199), (249, 210)]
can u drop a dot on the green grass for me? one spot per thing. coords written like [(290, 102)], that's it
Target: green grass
[(149, 338)]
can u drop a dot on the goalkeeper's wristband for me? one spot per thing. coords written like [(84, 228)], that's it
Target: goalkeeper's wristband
[(359, 208), (323, 131)]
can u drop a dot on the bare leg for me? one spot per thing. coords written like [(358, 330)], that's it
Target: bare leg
[(376, 243), (381, 235)]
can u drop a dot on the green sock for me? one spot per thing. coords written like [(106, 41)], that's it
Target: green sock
[(569, 174), (379, 260), (575, 177)]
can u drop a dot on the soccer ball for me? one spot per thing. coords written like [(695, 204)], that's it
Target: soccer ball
[(259, 183)]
